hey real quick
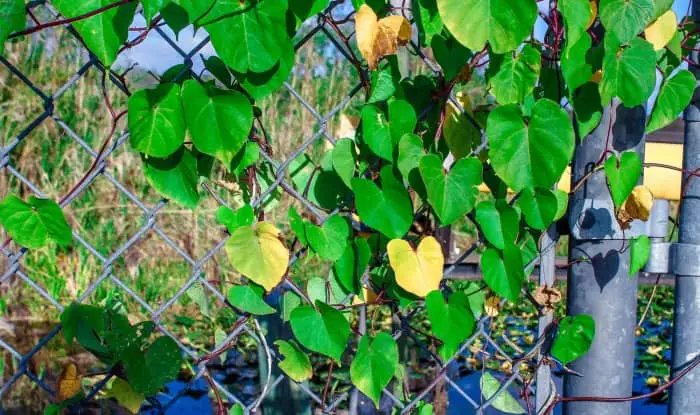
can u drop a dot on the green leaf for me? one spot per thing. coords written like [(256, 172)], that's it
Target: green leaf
[(151, 8), (427, 19), (504, 24), (149, 372), (622, 175), (236, 409), (575, 64), (83, 323), (13, 18), (640, 248), (503, 402), (261, 84), (402, 119), (374, 365), (233, 220), (451, 321), (330, 239), (450, 54), (296, 363), (175, 177), (351, 266), (661, 7), (327, 291), (103, 33), (539, 207), (344, 158), (499, 221), (248, 35), (384, 81), (577, 14), (249, 299), (175, 17), (197, 293), (218, 121), (530, 155), (513, 76), (477, 298), (290, 301), (562, 203), (630, 75), (453, 195), (303, 9), (195, 9), (376, 132), (297, 225), (675, 94), (504, 273), (245, 158), (32, 224), (410, 153), (156, 120), (388, 210), (626, 18), (589, 112), (325, 331), (574, 338)]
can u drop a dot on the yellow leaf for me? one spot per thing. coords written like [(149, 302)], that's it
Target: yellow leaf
[(418, 272), (662, 30), (377, 38), (68, 382), (348, 126), (126, 396), (652, 381), (639, 203), (259, 254), (492, 306)]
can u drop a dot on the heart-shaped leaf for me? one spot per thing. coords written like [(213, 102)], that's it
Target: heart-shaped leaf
[(626, 18), (32, 224), (377, 38), (402, 120), (388, 210), (296, 363), (532, 154), (504, 24), (149, 372), (218, 121), (662, 30), (427, 20), (374, 365), (498, 221), (576, 65), (156, 120), (640, 248), (630, 74), (451, 321), (351, 266), (513, 76), (249, 299), (622, 175), (344, 159), (330, 239), (257, 252), (577, 17), (503, 272), (175, 176), (376, 132), (503, 402), (587, 108), (451, 195), (417, 271), (574, 338), (325, 331), (450, 54), (539, 207), (103, 33), (410, 153), (675, 94)]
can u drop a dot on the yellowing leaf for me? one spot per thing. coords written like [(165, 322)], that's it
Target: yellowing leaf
[(639, 203), (348, 126), (417, 271), (594, 13), (377, 38), (126, 396), (492, 306), (68, 382), (257, 252), (662, 30)]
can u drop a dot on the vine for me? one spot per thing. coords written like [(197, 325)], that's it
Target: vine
[(421, 152)]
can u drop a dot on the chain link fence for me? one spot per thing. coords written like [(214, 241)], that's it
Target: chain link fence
[(146, 225)]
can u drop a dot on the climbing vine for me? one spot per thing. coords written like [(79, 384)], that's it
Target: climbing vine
[(416, 163)]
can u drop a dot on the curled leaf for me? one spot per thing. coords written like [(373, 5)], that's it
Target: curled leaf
[(68, 382), (639, 203), (377, 38)]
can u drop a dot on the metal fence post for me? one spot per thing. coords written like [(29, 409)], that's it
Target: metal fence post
[(598, 280), (685, 264), (546, 277)]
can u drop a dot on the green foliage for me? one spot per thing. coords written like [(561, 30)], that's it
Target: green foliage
[(12, 13), (249, 298), (503, 402), (622, 174), (503, 271), (34, 223), (451, 195), (629, 74), (640, 248), (324, 330), (330, 239), (674, 96), (513, 76), (451, 321), (574, 338), (296, 363), (374, 365)]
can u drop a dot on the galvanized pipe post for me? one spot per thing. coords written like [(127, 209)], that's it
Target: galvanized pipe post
[(685, 264), (543, 380), (598, 280)]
